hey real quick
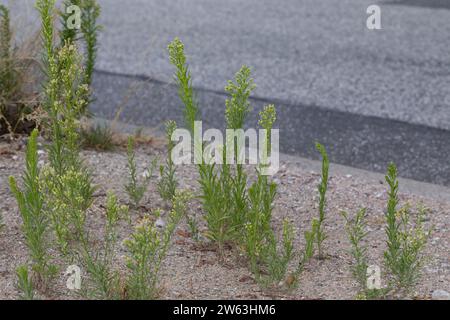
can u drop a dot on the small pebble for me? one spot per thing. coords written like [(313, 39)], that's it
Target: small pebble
[(160, 223), (440, 295), (146, 174)]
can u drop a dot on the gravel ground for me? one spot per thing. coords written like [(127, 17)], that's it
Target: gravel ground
[(192, 271)]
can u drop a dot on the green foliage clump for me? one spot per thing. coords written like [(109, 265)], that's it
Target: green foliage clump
[(104, 281), (147, 248), (65, 94), (97, 137), (224, 190), (70, 195), (238, 106), (31, 206), (307, 253), (88, 32), (68, 182), (135, 188), (184, 81), (267, 262), (236, 111), (58, 197), (25, 283), (406, 240), (193, 228), (234, 212), (356, 231), (215, 187), (392, 229)]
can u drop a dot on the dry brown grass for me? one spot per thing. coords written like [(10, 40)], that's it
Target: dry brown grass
[(20, 109)]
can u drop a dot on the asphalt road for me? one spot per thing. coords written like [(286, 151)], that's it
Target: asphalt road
[(313, 52), (370, 96)]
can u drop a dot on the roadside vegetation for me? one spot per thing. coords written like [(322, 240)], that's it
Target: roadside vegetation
[(55, 198)]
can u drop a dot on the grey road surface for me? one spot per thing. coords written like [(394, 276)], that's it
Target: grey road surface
[(371, 96), (313, 52)]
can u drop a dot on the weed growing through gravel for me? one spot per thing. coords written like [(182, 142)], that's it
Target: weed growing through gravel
[(147, 248), (214, 192), (68, 182), (69, 196), (277, 260), (104, 281), (306, 254), (25, 283), (31, 206), (406, 240), (257, 232), (214, 187), (97, 137), (235, 212), (267, 261), (193, 228), (135, 188), (392, 228), (236, 111), (317, 224), (89, 29), (58, 199), (315, 235), (356, 231), (64, 93), (168, 183)]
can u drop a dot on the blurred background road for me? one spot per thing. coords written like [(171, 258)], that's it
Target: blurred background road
[(370, 96)]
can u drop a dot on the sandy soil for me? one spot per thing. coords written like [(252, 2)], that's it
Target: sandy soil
[(192, 270)]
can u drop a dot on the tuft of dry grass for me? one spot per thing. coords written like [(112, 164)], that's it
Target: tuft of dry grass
[(20, 73), (105, 136), (97, 137)]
